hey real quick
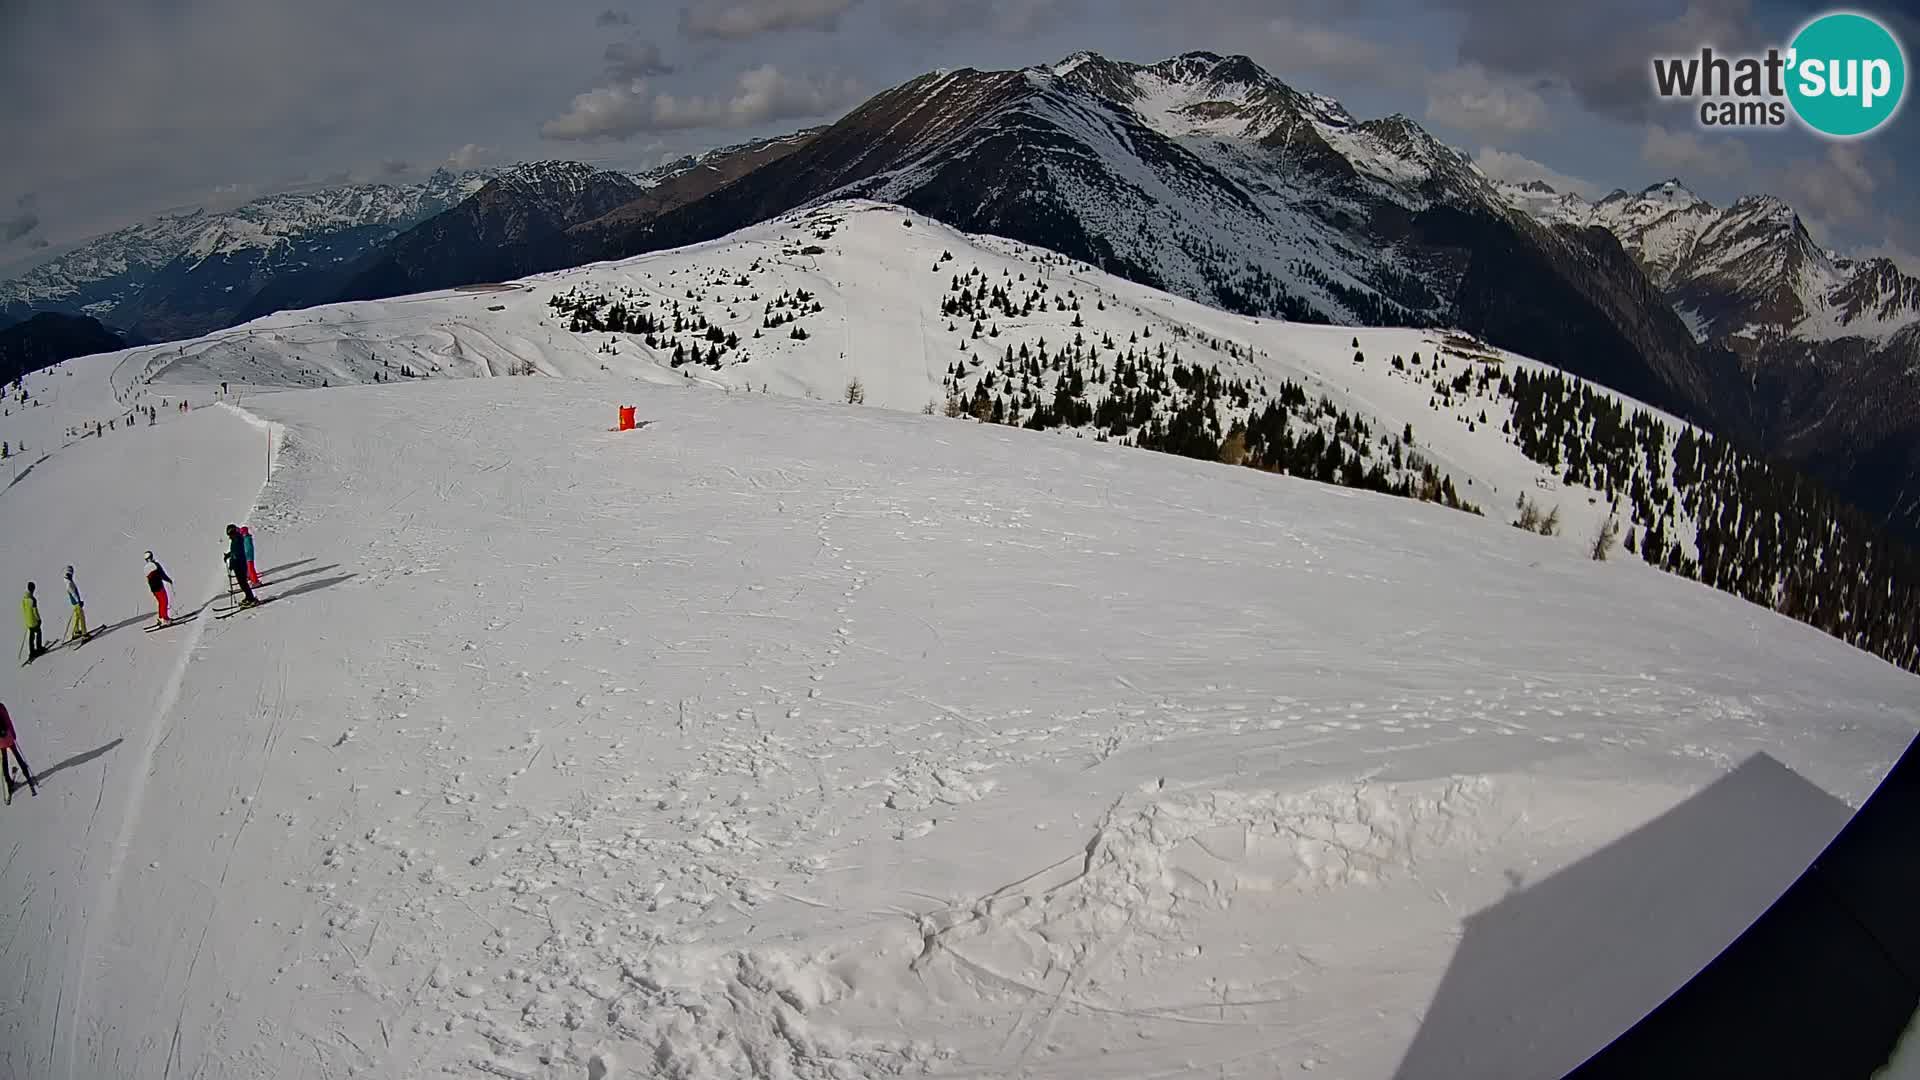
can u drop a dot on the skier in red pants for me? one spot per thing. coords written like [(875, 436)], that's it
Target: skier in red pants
[(157, 581), (9, 746), (253, 576)]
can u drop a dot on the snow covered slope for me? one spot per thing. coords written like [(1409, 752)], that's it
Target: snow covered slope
[(795, 738), (884, 292), (863, 299), (789, 738)]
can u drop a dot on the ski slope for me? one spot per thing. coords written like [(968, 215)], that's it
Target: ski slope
[(788, 738), (880, 284)]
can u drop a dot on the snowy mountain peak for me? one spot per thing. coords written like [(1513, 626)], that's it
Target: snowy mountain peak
[(1071, 64), (1213, 70), (549, 174), (1671, 191), (1402, 132), (1749, 275), (1765, 207), (1202, 93)]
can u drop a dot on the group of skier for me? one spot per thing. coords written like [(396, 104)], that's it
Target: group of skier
[(77, 631), (239, 557), (241, 574)]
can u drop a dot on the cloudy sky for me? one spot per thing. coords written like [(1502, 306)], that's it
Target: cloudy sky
[(118, 109)]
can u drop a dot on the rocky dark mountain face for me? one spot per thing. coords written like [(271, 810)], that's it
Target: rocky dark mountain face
[(50, 337), (1208, 177), (515, 225)]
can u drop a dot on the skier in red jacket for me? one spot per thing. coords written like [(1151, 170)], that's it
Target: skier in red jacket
[(157, 582), (9, 745)]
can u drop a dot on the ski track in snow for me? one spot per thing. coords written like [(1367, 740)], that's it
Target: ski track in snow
[(798, 740), (85, 508)]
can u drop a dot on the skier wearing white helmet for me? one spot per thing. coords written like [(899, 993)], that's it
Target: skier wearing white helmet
[(77, 627), (157, 582)]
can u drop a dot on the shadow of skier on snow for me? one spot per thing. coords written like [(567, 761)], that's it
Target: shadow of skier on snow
[(283, 567), (141, 617), (313, 586), (270, 580), (78, 759), (24, 473)]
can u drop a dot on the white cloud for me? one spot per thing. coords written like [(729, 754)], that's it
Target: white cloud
[(469, 156), (763, 95), (1005, 18), (734, 19), (1471, 99), (19, 225), (1837, 187), (1292, 47), (1907, 261), (1518, 169), (632, 58), (227, 196), (1685, 153)]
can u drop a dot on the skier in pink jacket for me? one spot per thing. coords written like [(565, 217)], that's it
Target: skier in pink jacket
[(9, 745)]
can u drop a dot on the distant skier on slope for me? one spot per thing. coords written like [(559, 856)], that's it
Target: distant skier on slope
[(157, 582), (253, 575), (9, 744), (30, 610), (237, 564), (77, 626)]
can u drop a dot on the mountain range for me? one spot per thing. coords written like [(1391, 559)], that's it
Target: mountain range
[(523, 221), (1827, 345), (185, 274), (1208, 177)]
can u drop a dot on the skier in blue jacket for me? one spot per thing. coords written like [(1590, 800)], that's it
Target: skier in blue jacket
[(237, 564)]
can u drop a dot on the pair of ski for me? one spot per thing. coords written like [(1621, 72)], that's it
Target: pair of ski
[(13, 782), (227, 614), (72, 643), (240, 606)]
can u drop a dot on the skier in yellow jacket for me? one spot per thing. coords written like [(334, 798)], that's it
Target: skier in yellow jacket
[(30, 610)]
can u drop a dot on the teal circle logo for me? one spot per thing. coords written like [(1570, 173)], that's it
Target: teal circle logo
[(1847, 75)]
